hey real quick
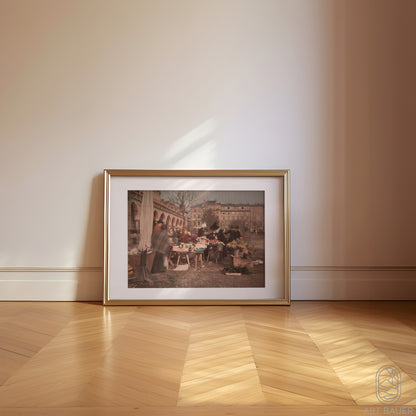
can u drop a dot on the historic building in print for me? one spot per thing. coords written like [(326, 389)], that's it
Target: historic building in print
[(164, 211), (251, 217)]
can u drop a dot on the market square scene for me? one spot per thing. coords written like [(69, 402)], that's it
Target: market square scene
[(195, 239)]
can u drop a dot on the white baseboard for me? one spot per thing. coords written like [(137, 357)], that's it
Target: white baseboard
[(51, 284), (353, 283), (307, 283)]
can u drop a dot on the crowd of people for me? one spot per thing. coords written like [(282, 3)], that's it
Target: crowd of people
[(212, 242)]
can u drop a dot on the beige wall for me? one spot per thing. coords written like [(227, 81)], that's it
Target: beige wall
[(325, 88)]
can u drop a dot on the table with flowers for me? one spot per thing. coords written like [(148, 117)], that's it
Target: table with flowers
[(193, 245)]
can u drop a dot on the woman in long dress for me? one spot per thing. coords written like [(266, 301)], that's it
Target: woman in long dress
[(160, 243)]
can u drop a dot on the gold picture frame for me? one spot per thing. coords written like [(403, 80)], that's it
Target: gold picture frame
[(225, 210)]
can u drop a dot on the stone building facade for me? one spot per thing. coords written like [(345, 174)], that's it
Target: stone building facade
[(167, 212), (249, 216)]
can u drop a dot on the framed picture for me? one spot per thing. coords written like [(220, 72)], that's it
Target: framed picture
[(196, 237)]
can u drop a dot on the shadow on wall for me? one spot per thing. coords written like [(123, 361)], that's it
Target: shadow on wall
[(374, 96), (90, 279)]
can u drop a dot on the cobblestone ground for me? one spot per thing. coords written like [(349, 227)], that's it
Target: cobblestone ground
[(209, 275)]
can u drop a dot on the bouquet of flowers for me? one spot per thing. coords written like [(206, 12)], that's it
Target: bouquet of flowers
[(186, 237), (202, 240), (201, 243), (175, 235), (241, 245)]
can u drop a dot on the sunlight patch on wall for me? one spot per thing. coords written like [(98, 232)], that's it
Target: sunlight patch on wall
[(194, 150)]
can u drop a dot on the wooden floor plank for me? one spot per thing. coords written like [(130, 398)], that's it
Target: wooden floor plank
[(278, 375), (287, 410), (57, 375), (145, 364), (347, 342), (219, 367), (310, 358)]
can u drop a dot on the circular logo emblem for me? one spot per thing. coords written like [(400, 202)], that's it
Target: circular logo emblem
[(388, 384)]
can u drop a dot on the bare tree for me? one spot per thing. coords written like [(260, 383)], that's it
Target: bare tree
[(209, 217), (183, 199)]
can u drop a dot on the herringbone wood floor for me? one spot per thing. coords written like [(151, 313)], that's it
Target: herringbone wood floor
[(309, 358)]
